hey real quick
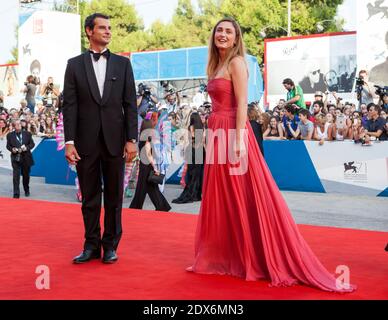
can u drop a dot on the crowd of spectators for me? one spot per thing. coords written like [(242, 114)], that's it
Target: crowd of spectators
[(322, 120), (292, 118), (37, 112)]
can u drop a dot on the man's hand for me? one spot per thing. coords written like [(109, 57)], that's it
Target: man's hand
[(130, 151), (71, 154), (14, 150)]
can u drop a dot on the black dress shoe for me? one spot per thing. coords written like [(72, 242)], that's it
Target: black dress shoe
[(27, 193), (110, 256), (87, 255), (16, 196)]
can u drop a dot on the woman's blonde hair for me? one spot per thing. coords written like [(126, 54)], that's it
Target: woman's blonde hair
[(238, 49)]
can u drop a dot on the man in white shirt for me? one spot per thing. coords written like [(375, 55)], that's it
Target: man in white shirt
[(100, 125)]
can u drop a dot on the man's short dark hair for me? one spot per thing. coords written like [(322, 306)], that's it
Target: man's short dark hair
[(370, 105), (304, 112), (288, 81), (89, 21), (290, 108), (320, 103)]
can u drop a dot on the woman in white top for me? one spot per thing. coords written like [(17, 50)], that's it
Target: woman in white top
[(323, 129)]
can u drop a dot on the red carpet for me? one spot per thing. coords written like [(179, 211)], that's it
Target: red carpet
[(154, 252)]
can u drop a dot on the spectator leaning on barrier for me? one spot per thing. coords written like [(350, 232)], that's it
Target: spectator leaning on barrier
[(375, 126), (330, 119), (341, 125), (291, 118), (305, 127), (356, 126), (323, 129), (274, 130), (295, 93)]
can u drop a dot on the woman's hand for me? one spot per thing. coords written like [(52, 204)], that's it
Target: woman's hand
[(240, 149)]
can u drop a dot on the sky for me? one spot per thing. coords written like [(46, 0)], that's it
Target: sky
[(149, 10)]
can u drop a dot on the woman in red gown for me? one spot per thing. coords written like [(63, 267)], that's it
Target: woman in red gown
[(245, 228)]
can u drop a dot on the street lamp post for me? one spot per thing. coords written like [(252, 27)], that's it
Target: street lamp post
[(289, 19)]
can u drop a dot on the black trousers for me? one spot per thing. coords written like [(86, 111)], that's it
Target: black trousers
[(98, 171), (24, 170), (144, 187)]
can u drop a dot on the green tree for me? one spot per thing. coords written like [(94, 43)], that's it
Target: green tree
[(127, 26), (190, 27), (255, 16)]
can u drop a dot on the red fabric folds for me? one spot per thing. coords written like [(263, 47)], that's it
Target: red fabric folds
[(245, 228)]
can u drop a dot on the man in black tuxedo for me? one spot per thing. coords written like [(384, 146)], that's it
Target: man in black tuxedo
[(20, 144), (100, 124)]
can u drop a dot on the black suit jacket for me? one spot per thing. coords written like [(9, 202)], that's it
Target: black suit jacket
[(86, 113), (13, 142)]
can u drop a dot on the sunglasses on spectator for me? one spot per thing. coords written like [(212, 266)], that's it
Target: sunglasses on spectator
[(315, 72)]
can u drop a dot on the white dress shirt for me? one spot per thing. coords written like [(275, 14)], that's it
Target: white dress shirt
[(100, 72)]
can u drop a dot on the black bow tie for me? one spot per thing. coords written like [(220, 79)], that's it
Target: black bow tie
[(97, 55)]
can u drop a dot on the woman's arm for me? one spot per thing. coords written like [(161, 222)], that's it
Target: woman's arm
[(330, 133), (239, 74), (315, 134), (281, 132), (265, 134)]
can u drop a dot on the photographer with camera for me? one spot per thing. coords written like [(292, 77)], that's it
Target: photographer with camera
[(49, 93), (364, 88), (145, 100), (20, 144), (172, 101), (30, 90)]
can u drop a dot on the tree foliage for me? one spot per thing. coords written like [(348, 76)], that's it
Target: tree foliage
[(192, 26)]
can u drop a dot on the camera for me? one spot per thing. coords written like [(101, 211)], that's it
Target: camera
[(18, 155), (360, 81), (381, 91), (144, 90)]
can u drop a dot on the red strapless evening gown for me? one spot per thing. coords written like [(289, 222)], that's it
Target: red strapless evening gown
[(245, 228)]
